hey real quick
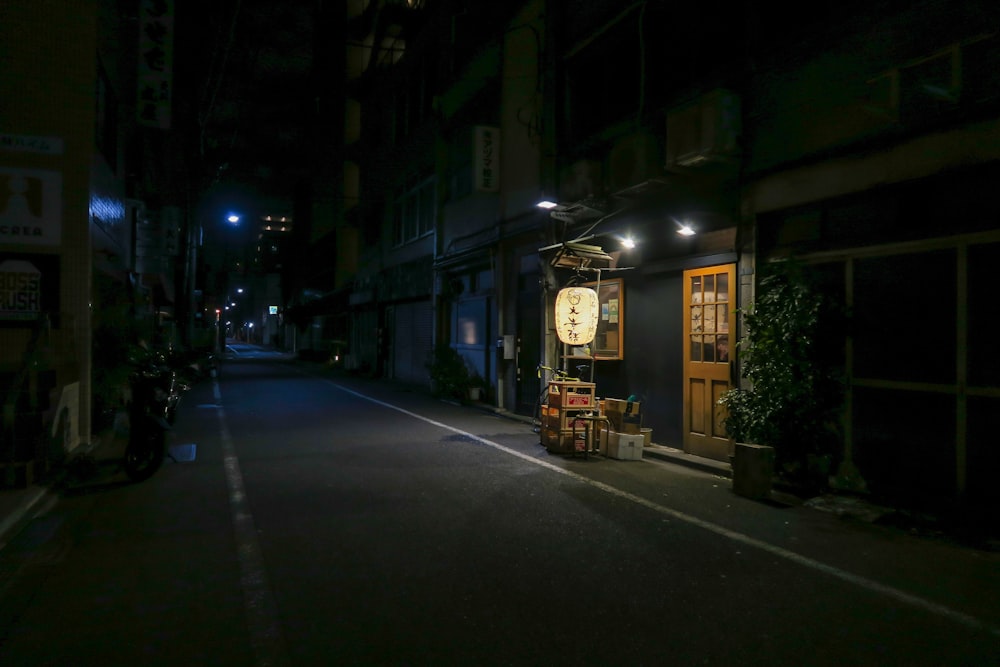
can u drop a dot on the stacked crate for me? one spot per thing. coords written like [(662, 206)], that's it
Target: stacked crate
[(565, 403)]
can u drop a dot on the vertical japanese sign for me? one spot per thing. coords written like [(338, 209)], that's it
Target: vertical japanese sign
[(170, 218), (156, 56), (486, 162)]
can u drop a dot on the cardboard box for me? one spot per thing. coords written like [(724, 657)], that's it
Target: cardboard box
[(625, 446), (624, 418)]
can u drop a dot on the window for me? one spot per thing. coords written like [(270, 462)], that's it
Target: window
[(608, 340), (460, 163), (709, 312), (412, 104), (413, 212), (106, 129), (604, 82)]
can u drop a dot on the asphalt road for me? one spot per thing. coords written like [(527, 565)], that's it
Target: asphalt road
[(335, 521)]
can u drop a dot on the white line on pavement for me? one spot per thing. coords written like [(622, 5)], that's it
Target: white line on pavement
[(266, 638), (862, 582)]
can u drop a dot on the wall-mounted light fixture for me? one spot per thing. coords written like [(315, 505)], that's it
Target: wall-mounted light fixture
[(684, 227), (546, 204), (577, 314)]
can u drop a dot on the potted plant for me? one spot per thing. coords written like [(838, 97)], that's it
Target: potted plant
[(450, 376), (477, 387), (793, 394)]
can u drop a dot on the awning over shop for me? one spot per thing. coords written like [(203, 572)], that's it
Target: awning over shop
[(576, 255)]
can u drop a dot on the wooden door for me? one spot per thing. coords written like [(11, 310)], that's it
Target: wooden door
[(709, 301)]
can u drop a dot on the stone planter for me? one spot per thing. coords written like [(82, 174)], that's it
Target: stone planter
[(753, 468)]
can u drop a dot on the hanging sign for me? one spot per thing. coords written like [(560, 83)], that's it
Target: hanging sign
[(156, 62), (577, 311)]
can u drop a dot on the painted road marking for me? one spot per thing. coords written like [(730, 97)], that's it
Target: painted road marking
[(741, 538), (266, 638)]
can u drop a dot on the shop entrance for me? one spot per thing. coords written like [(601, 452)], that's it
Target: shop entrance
[(707, 310)]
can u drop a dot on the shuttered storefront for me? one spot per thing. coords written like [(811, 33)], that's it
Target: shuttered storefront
[(412, 340)]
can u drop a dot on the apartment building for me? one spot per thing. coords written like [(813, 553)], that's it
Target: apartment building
[(681, 147), (871, 153)]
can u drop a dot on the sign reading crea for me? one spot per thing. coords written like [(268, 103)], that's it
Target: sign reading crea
[(30, 207)]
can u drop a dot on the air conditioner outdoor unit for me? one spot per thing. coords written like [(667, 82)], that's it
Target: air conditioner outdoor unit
[(704, 131), (633, 159)]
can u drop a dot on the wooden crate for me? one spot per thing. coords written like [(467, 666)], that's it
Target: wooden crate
[(563, 442), (571, 394), (561, 419)]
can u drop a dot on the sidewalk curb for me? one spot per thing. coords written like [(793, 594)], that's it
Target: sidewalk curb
[(678, 457), (17, 505), (14, 519)]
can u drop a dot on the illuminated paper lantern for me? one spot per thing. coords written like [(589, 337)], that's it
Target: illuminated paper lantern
[(577, 312)]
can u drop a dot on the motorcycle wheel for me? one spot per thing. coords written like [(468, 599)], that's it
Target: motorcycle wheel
[(144, 453)]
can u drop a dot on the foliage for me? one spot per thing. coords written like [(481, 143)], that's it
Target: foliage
[(795, 396), (449, 375), (115, 333)]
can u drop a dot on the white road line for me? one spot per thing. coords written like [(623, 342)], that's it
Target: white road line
[(261, 610), (28, 504), (862, 582)]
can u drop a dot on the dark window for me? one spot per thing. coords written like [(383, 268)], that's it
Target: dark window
[(413, 212), (603, 81), (904, 317), (904, 443), (460, 163), (106, 129), (983, 361)]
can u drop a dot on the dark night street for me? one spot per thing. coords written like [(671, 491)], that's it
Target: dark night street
[(329, 520)]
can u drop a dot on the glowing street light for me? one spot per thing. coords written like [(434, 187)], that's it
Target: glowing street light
[(233, 219)]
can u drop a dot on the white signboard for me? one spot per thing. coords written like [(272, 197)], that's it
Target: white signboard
[(487, 159), (30, 207), (23, 143)]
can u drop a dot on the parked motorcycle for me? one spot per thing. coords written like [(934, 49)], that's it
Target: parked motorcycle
[(155, 397), (194, 364)]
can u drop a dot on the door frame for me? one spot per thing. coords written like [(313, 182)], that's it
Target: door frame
[(704, 381)]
